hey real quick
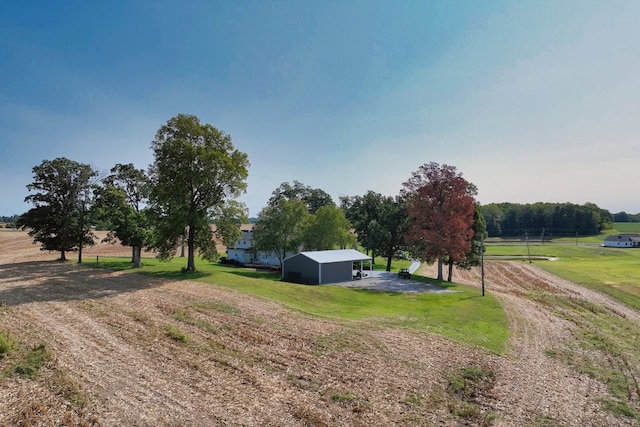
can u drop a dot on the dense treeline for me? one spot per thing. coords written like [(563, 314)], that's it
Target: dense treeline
[(626, 217), (545, 219), (9, 218)]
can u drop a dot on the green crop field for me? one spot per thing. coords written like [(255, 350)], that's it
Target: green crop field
[(627, 227)]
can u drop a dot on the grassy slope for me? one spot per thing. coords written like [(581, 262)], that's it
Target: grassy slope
[(462, 315)]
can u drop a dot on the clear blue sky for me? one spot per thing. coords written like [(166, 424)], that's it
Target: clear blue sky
[(530, 100)]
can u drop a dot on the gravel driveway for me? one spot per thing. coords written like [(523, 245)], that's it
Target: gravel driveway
[(386, 281)]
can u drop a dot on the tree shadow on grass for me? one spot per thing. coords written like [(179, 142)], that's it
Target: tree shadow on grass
[(257, 274), (471, 297), (47, 281), (378, 292), (175, 275)]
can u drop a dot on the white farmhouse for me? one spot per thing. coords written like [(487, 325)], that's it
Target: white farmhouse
[(622, 241), (244, 251)]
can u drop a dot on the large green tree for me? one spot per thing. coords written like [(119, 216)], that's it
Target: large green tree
[(62, 201), (361, 211), (121, 202), (387, 231), (314, 198), (196, 169), (327, 228), (228, 220), (440, 210), (379, 221), (280, 227)]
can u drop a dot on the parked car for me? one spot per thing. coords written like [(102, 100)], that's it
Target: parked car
[(404, 273)]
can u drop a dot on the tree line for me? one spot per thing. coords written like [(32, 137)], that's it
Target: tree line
[(545, 219), (435, 218), (626, 217), (195, 179), (196, 176)]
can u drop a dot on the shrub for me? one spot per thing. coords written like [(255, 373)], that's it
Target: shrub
[(176, 334), (30, 365), (6, 344)]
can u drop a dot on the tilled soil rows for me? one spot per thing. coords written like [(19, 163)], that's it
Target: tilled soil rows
[(134, 350)]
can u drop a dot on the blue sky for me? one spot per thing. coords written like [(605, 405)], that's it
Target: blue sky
[(530, 100)]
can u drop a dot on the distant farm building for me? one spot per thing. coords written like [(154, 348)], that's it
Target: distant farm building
[(623, 241), (319, 267)]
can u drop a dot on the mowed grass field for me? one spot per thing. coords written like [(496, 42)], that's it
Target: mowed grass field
[(627, 227), (582, 260)]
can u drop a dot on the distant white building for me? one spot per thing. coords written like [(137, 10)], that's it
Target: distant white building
[(244, 251), (622, 241)]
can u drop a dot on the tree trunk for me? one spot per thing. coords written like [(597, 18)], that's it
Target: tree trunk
[(389, 263), (440, 268), (133, 255), (191, 265), (81, 235), (450, 272), (137, 250), (63, 256)]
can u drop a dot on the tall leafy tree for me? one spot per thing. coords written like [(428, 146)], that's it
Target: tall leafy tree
[(121, 202), (363, 212), (196, 169), (328, 228), (389, 229), (280, 227), (380, 222), (314, 198), (228, 220), (440, 210), (62, 200)]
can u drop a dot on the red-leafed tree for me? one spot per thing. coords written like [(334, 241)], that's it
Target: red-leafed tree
[(440, 207)]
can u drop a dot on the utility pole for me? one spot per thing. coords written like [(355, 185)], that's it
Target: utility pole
[(482, 260)]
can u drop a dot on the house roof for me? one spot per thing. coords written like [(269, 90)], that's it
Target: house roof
[(623, 237), (338, 255)]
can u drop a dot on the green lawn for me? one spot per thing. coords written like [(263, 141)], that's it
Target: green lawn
[(627, 227), (464, 315)]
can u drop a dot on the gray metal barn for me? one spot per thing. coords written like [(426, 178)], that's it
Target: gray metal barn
[(319, 267)]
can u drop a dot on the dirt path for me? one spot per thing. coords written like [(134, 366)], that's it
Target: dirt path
[(252, 362)]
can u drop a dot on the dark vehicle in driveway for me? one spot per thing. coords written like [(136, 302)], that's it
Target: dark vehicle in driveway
[(404, 273)]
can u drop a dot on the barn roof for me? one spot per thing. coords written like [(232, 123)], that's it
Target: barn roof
[(338, 255)]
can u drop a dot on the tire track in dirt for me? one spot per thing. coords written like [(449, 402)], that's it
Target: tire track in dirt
[(528, 380), (112, 368), (266, 365)]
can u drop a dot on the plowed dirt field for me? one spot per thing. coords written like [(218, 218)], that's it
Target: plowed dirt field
[(250, 362)]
